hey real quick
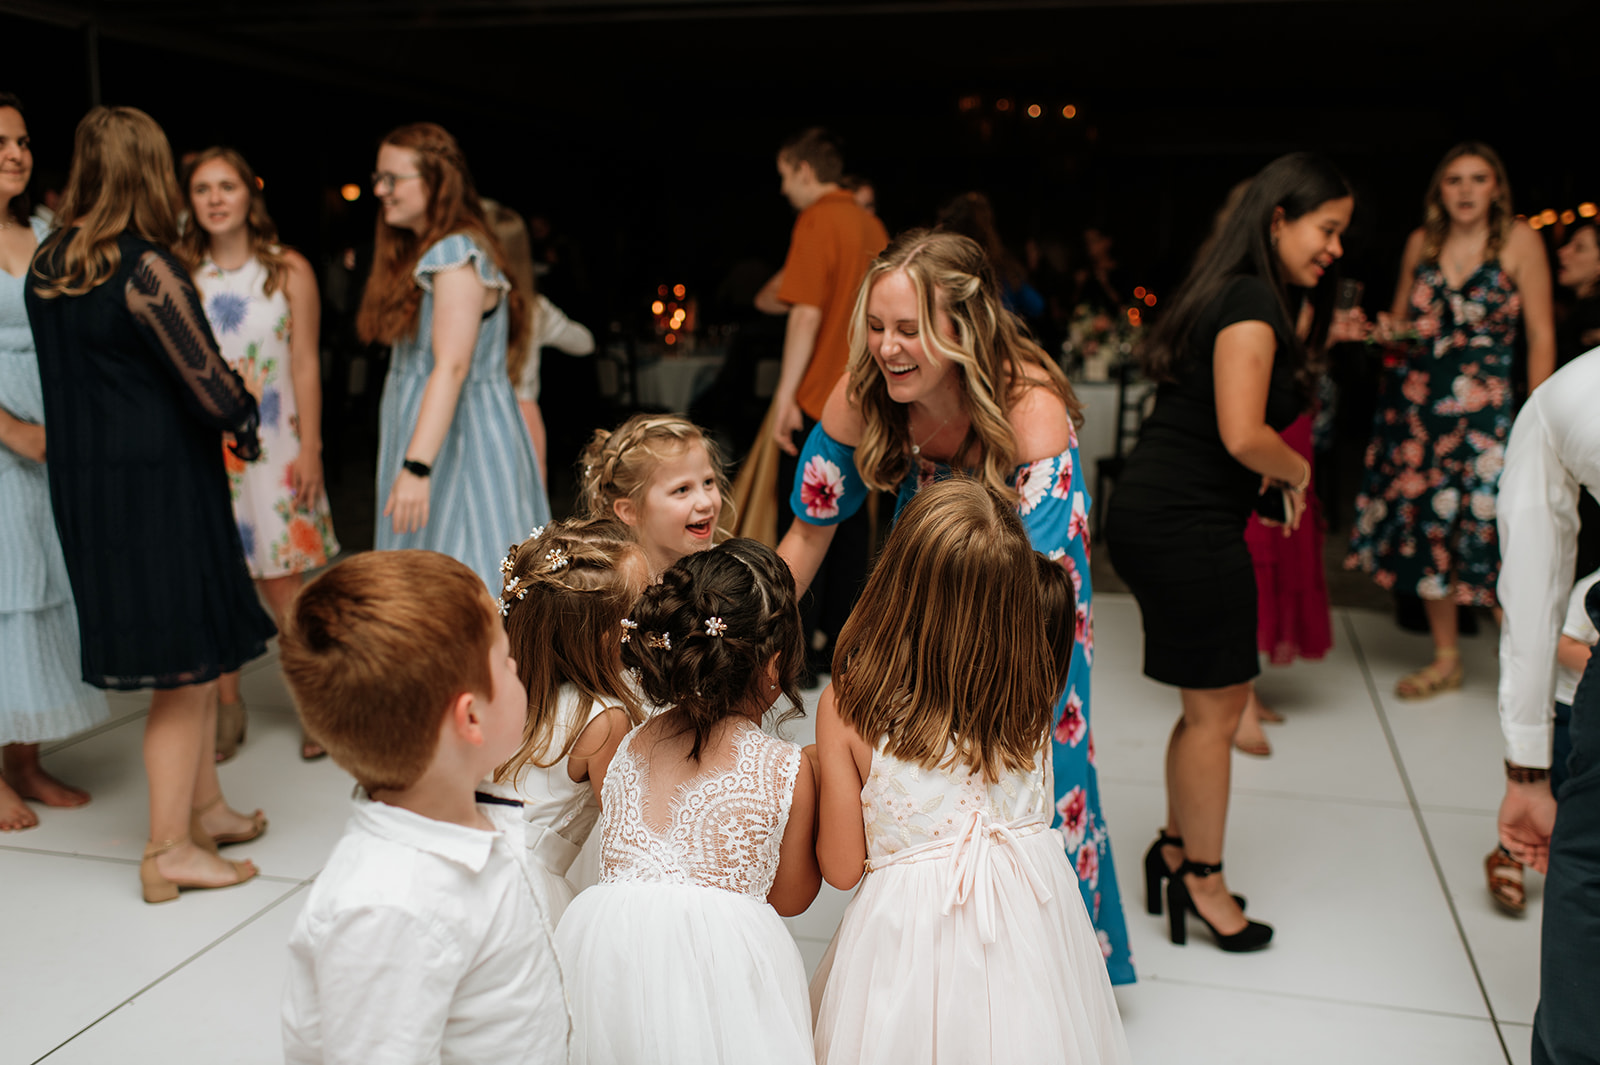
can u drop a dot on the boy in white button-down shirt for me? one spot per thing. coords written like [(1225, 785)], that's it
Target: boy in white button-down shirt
[(422, 939)]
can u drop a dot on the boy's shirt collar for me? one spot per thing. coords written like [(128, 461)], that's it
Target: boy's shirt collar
[(468, 847)]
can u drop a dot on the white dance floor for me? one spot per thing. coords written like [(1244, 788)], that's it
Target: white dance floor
[(1361, 839)]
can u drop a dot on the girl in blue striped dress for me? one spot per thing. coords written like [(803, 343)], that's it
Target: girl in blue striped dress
[(456, 471)]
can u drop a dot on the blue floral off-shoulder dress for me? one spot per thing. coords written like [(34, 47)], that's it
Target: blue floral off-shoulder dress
[(485, 488), (1054, 507)]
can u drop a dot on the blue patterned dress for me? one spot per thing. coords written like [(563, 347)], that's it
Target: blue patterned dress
[(42, 696), (485, 488), (1054, 507)]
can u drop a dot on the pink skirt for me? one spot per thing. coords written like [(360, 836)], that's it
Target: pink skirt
[(1292, 618)]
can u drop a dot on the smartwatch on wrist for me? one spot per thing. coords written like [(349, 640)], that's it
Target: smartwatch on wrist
[(415, 468)]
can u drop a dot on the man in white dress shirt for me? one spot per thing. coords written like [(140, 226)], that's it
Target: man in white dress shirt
[(1553, 455)]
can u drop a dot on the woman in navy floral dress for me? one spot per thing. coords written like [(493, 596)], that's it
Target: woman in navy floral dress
[(1472, 277), (970, 394)]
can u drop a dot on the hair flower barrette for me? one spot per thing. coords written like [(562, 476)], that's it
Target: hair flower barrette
[(628, 625), (509, 563), (716, 626), (659, 641), (518, 587), (557, 558), (538, 531)]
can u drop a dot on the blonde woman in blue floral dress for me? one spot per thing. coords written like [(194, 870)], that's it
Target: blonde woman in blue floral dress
[(261, 301), (979, 400)]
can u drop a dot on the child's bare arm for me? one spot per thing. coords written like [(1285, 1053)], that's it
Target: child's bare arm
[(1574, 654), (841, 835), (798, 877), (591, 755)]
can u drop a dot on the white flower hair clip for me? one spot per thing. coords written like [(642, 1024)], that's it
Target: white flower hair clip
[(557, 558), (628, 625), (716, 626), (659, 641), (538, 531), (509, 563), (518, 588)]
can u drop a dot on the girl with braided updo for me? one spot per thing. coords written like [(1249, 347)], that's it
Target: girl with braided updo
[(456, 470), (568, 589), (662, 476), (706, 833)]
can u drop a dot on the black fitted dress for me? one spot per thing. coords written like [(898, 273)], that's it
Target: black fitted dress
[(137, 398), (1176, 524)]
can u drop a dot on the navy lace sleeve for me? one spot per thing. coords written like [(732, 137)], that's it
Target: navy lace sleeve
[(167, 311)]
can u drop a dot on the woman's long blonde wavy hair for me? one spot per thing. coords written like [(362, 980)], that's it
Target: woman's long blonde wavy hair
[(392, 300), (991, 351), (195, 243), (121, 181), (1436, 220), (945, 657)]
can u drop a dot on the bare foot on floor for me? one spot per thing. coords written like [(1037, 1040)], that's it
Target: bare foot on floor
[(192, 866), (1248, 737), (42, 787), (24, 773), (222, 821), (14, 813)]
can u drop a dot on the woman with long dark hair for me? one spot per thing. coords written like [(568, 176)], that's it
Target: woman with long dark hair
[(456, 470), (1233, 374), (1472, 278), (137, 397)]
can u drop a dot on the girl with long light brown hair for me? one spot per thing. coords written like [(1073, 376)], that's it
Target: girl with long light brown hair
[(456, 470), (261, 301), (943, 379), (934, 747), (137, 397)]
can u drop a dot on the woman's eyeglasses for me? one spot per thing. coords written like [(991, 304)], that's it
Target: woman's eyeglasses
[(383, 181)]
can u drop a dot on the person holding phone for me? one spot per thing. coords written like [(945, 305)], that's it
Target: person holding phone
[(1233, 374)]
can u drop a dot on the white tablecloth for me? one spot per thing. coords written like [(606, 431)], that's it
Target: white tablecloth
[(672, 382)]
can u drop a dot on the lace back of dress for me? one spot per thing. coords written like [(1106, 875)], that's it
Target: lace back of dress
[(904, 805), (718, 823)]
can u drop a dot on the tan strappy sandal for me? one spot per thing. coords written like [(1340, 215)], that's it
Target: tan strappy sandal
[(1428, 681), (157, 888)]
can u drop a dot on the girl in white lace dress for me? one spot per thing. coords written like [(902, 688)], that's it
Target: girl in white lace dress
[(679, 954), (968, 940), (567, 590)]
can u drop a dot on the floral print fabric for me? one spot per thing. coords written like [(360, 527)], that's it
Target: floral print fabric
[(252, 331), (1054, 507), (1426, 512)]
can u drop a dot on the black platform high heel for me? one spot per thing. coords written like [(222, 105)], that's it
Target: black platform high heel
[(1253, 936), (1155, 871)]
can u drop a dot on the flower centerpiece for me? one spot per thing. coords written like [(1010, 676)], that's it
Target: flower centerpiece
[(1099, 340)]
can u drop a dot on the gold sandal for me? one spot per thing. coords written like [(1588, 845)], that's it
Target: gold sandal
[(1428, 681), (1505, 881), (157, 888)]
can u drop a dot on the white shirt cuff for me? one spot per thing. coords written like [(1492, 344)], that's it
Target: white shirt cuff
[(1527, 745)]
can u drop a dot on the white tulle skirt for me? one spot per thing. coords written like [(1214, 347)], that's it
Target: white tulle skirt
[(672, 973), (1013, 973)]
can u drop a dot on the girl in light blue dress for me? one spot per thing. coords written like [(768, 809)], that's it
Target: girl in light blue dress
[(41, 696), (456, 470)]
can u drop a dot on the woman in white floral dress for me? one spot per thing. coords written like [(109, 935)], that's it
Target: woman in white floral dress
[(261, 301)]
